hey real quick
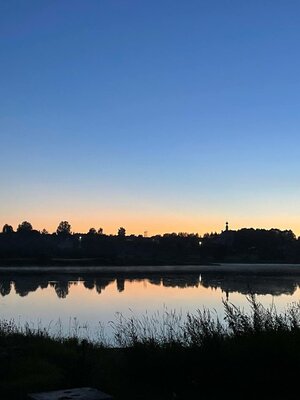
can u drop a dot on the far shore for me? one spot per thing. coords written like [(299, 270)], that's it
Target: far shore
[(222, 268)]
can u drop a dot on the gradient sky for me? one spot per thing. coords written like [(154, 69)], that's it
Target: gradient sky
[(154, 115)]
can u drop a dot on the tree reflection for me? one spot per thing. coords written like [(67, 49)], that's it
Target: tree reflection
[(246, 285), (25, 285), (101, 284), (228, 283), (181, 281), (89, 284), (62, 288), (5, 287), (120, 284)]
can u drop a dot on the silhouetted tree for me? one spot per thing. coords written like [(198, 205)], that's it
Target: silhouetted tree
[(44, 232), (64, 228), (25, 227), (121, 231), (244, 245), (7, 229)]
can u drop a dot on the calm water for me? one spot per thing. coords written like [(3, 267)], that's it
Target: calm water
[(73, 303)]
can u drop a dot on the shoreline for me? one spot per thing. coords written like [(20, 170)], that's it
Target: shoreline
[(222, 268)]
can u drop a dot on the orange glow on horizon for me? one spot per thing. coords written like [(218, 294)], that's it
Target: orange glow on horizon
[(155, 224)]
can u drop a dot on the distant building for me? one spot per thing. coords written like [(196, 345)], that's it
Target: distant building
[(226, 237), (226, 227)]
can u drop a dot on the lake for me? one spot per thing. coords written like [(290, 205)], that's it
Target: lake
[(77, 303)]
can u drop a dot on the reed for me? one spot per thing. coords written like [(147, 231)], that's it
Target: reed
[(163, 356)]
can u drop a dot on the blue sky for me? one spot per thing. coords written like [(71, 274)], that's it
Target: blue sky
[(156, 115)]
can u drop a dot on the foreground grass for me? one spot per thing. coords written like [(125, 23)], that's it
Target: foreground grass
[(253, 356)]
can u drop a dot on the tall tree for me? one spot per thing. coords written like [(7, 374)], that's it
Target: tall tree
[(64, 228), (7, 229), (121, 232), (25, 226)]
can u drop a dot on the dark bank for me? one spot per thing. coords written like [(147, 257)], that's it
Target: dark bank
[(27, 246), (253, 356)]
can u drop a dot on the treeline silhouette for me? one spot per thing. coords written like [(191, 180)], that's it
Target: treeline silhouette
[(27, 245)]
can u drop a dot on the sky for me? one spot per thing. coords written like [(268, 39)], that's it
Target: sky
[(159, 116)]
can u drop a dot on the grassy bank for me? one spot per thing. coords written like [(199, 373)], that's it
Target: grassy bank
[(253, 355)]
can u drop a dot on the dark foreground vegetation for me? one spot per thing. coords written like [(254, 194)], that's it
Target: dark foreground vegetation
[(252, 356), (27, 246)]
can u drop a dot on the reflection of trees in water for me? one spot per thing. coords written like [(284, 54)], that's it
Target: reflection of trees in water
[(62, 283), (120, 284), (5, 287), (44, 285), (155, 280), (244, 284), (247, 284), (61, 288), (89, 284), (181, 281), (101, 284), (25, 285)]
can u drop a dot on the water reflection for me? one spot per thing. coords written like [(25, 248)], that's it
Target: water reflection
[(61, 288), (275, 286)]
